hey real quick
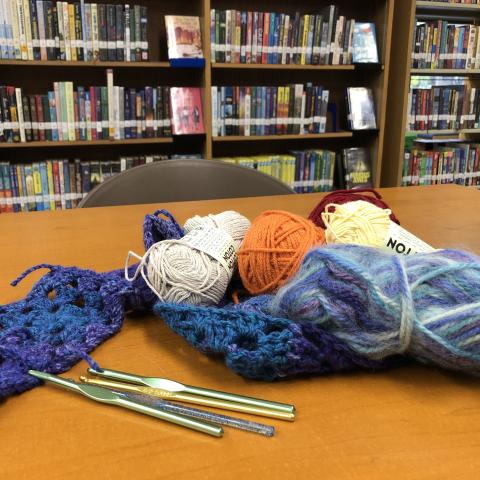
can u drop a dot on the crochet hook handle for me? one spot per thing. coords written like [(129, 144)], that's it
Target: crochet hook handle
[(241, 399), (176, 418)]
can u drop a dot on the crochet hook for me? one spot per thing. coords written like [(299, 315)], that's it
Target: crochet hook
[(189, 398), (172, 386), (104, 395), (211, 417)]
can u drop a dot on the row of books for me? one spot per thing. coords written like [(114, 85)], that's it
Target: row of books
[(57, 184), (459, 164), (444, 108), (291, 109), (324, 38), (99, 113), (47, 30), (441, 44), (314, 170), (92, 113), (303, 170)]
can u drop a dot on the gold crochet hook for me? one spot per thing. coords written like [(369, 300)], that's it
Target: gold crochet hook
[(181, 396), (104, 395), (172, 386)]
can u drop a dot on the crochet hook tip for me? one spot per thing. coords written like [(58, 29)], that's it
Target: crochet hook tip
[(40, 375)]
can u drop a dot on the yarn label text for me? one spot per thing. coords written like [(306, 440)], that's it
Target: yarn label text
[(214, 242), (403, 242)]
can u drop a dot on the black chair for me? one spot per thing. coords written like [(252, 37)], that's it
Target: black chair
[(182, 180)]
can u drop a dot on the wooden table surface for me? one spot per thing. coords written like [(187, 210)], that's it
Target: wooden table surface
[(410, 423)]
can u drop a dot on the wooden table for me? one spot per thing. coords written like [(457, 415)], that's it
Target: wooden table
[(411, 423)]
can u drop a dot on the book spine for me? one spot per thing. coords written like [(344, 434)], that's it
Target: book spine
[(87, 31), (144, 33), (138, 33), (70, 110), (66, 31), (111, 126), (102, 32), (79, 33), (127, 42), (21, 122), (95, 30), (119, 32), (71, 29)]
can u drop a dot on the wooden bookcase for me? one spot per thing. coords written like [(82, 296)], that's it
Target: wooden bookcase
[(38, 76), (406, 13)]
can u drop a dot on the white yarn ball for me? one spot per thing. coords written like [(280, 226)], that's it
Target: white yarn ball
[(233, 223), (180, 273)]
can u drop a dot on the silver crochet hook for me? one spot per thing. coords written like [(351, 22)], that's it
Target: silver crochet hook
[(176, 387), (104, 395)]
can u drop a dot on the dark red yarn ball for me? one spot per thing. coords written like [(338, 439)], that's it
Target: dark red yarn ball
[(344, 196)]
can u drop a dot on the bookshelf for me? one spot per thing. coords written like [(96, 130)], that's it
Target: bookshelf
[(401, 72), (37, 76)]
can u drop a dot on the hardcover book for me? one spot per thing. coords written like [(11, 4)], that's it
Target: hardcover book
[(361, 111), (364, 43), (184, 37), (186, 109)]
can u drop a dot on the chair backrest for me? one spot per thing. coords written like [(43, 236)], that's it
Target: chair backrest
[(183, 180)]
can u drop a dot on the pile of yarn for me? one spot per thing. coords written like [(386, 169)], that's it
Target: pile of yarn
[(273, 249), (197, 268)]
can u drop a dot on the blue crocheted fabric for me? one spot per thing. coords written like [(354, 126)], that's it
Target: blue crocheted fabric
[(68, 313), (256, 345)]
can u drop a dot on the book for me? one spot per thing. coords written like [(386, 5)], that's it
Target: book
[(184, 36), (361, 110), (186, 107), (364, 43), (357, 168)]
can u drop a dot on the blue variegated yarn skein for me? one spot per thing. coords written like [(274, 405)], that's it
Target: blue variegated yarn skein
[(425, 305)]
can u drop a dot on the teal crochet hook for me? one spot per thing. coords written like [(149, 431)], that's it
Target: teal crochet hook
[(104, 395)]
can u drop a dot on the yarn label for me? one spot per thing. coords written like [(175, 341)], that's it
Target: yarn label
[(403, 242), (214, 242)]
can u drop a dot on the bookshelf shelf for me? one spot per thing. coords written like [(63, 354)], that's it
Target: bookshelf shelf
[(444, 6), (91, 143), (59, 63), (274, 66), (453, 72), (252, 138)]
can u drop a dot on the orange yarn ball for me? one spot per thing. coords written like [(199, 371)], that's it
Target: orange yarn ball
[(273, 249)]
